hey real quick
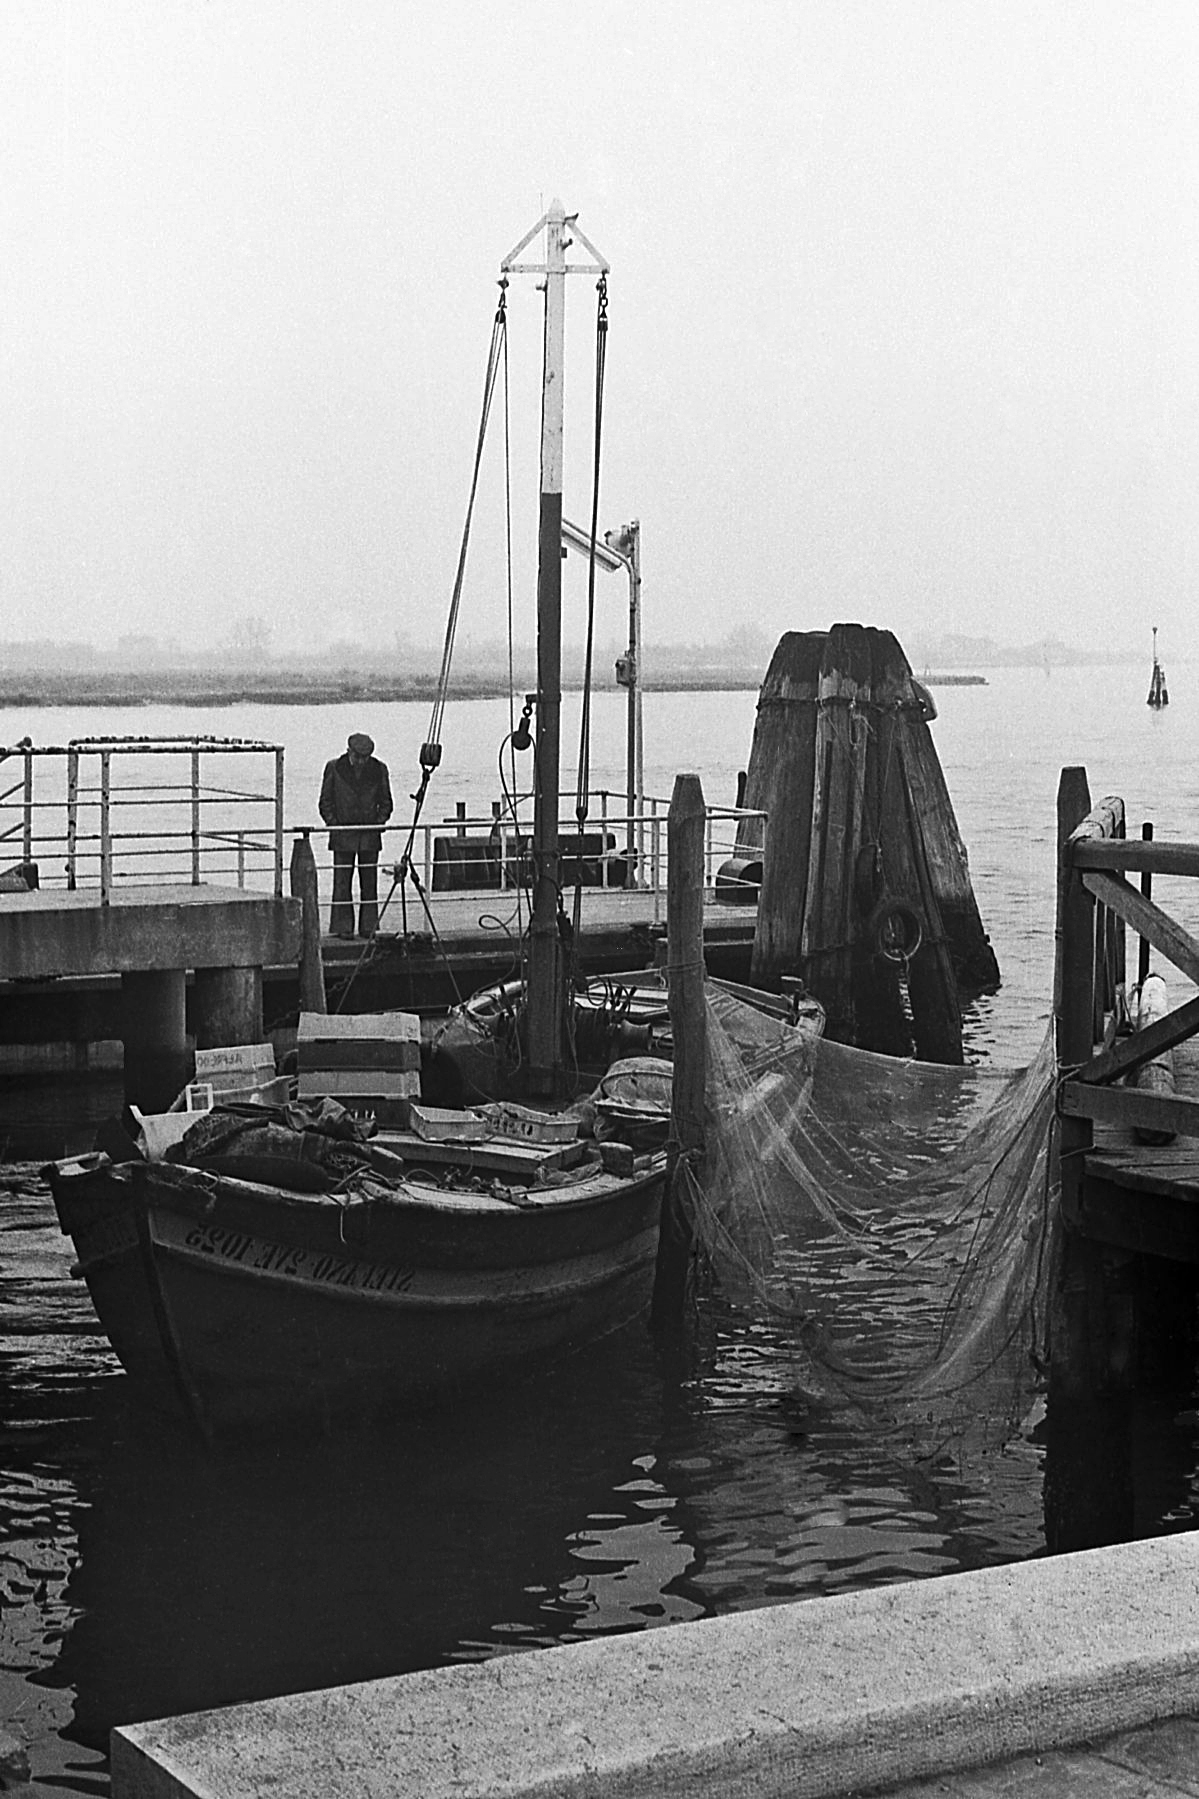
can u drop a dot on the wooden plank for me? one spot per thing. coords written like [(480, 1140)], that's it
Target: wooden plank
[(357, 1052), (361, 1084), (1137, 855), (1127, 1106), (1167, 937), (1155, 1223), (495, 1156), (1131, 1052), (317, 1027)]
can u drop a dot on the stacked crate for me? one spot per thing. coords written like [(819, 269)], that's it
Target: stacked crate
[(368, 1061), (240, 1072)]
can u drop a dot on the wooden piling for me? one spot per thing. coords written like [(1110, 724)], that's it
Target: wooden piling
[(1087, 1321), (779, 782), (882, 863), (304, 888), (975, 967), (826, 942), (906, 874), (685, 829), (863, 865), (1073, 1012)]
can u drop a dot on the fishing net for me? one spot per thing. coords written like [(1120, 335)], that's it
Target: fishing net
[(893, 1217)]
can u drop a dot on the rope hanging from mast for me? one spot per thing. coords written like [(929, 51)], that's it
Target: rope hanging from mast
[(495, 359), (430, 752)]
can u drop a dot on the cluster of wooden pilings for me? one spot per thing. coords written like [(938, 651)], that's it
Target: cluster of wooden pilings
[(866, 891)]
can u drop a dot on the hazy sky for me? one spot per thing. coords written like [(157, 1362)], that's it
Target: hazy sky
[(903, 304)]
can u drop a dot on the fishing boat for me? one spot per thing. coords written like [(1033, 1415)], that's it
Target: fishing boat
[(284, 1266), (1159, 693), (380, 1274)]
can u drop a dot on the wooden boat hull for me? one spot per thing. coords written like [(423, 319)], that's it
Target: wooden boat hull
[(249, 1306)]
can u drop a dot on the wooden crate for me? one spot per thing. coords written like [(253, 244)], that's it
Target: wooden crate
[(236, 1064), (368, 1061)]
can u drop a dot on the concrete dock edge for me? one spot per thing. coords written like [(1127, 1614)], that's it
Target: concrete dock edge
[(808, 1700)]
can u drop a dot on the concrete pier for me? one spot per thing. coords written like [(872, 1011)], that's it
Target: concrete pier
[(818, 1698), (151, 936), (51, 932)]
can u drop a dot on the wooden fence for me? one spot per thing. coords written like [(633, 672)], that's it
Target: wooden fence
[(1096, 904)]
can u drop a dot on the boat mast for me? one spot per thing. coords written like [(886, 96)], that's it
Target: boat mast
[(545, 1012)]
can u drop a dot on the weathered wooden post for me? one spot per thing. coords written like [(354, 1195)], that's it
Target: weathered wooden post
[(779, 783), (909, 842), (685, 977), (1073, 975), (839, 759), (1087, 1483), (304, 888)]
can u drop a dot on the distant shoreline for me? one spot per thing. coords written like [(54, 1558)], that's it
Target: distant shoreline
[(188, 690)]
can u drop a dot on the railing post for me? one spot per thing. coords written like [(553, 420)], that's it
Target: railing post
[(304, 888), (656, 854), (72, 817), (195, 808), (279, 822), (105, 828), (27, 837)]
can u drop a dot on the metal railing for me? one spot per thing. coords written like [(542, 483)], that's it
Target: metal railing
[(106, 811), (472, 853), (102, 812)]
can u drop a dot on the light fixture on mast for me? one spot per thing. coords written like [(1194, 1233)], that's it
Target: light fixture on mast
[(622, 549)]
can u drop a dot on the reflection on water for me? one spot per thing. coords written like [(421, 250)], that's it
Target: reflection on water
[(143, 1575)]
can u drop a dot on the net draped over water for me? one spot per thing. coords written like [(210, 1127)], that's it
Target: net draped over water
[(896, 1216)]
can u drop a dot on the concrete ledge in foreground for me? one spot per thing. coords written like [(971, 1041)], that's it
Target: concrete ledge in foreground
[(818, 1697)]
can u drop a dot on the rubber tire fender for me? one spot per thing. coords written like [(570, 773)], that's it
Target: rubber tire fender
[(880, 929)]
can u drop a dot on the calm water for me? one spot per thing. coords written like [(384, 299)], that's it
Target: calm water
[(141, 1576)]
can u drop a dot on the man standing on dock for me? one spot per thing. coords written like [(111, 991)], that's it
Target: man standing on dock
[(355, 801)]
